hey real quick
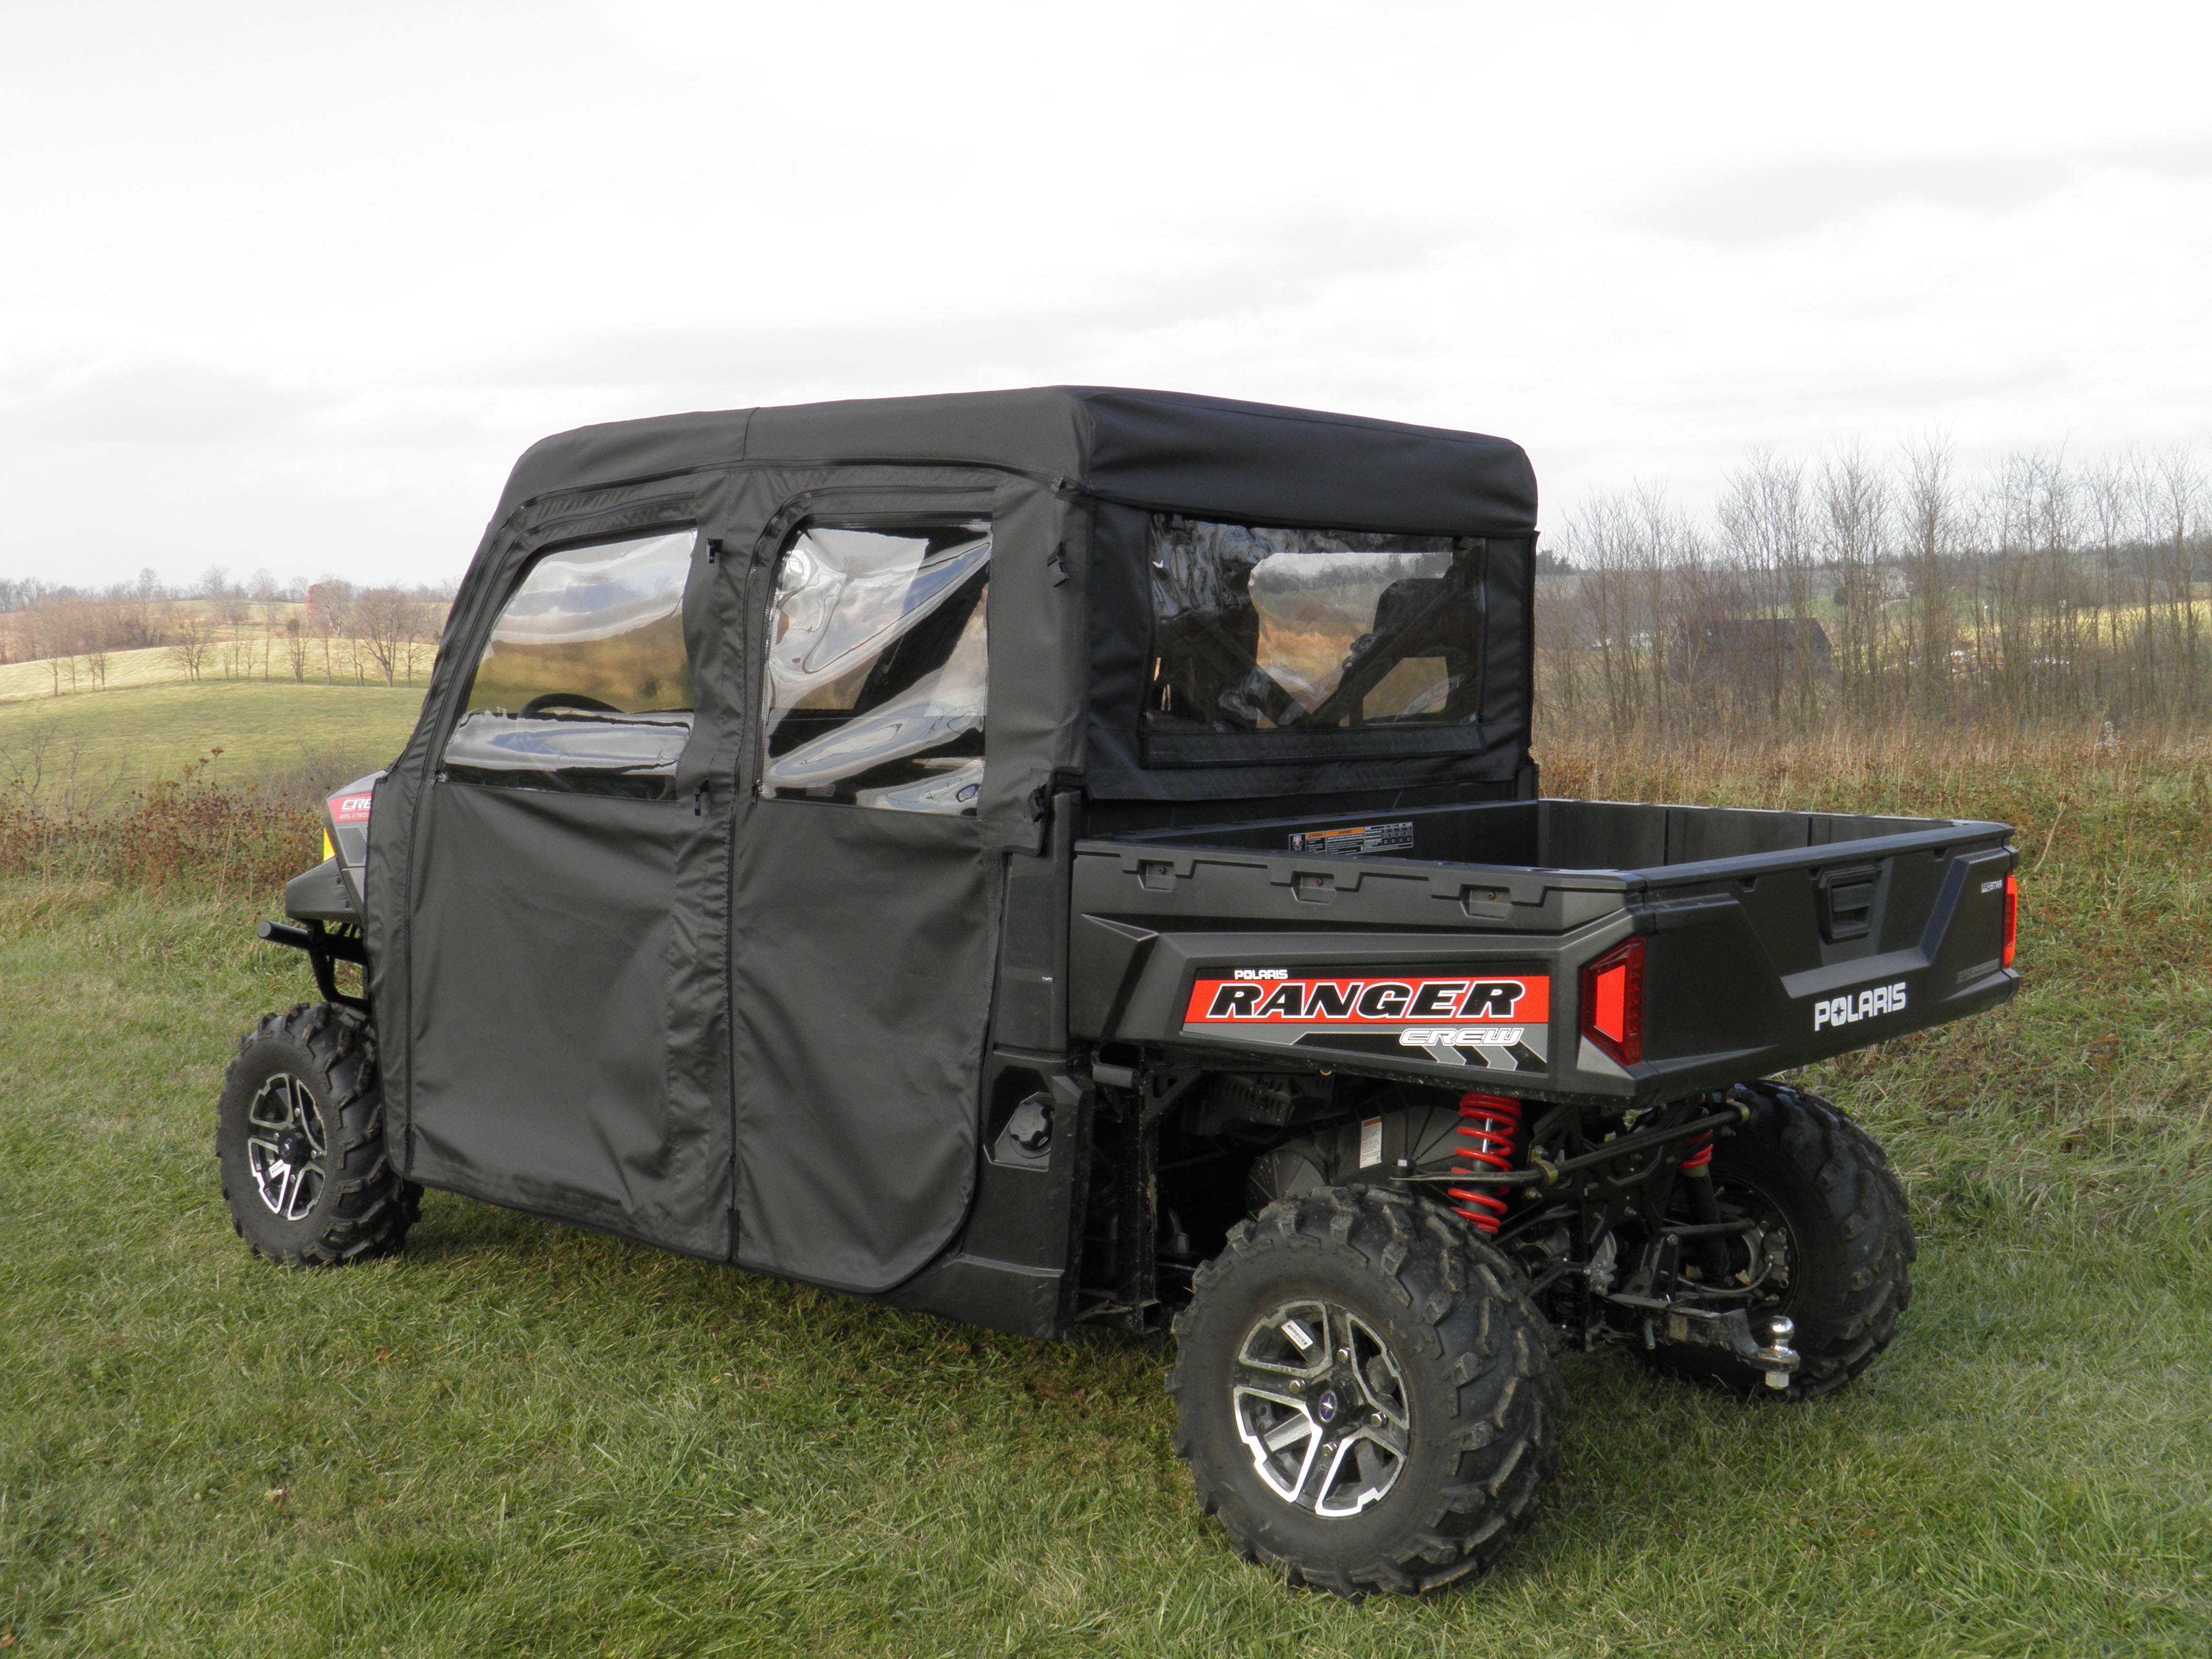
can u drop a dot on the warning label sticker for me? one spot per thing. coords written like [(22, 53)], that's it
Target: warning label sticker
[(1357, 842)]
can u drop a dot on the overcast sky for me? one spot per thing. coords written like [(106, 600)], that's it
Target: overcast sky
[(287, 286)]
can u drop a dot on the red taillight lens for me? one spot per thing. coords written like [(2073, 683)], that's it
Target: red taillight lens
[(1613, 1002), (2012, 917)]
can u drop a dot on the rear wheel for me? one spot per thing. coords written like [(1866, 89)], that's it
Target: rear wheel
[(300, 1142), (1364, 1396), (1829, 1247)]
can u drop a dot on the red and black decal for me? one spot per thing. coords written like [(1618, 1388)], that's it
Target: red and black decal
[(1375, 1001), (350, 809)]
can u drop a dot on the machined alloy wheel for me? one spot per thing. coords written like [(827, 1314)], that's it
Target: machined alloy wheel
[(1320, 1402), (1364, 1394), (300, 1142), (285, 1146)]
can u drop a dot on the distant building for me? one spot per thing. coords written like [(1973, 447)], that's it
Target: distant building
[(1751, 647)]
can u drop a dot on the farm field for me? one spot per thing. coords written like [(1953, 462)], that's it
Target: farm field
[(522, 1438), (266, 732), (257, 646)]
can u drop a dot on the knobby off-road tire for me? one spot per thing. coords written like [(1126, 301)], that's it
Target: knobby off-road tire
[(300, 1142), (1802, 1163), (1447, 1357)]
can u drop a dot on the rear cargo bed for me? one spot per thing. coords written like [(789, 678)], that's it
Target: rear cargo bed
[(1770, 939)]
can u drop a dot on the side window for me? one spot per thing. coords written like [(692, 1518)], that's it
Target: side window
[(878, 667), (585, 684)]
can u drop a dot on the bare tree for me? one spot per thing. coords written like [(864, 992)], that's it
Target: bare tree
[(1930, 512), (386, 628), (1854, 511), (329, 602), (190, 639)]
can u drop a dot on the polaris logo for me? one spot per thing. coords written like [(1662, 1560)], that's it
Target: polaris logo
[(1849, 1009)]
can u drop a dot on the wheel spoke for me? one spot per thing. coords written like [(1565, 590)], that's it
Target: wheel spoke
[(1330, 1473), (1297, 1337), (1386, 1435), (1258, 1381), (1297, 1487), (1380, 1386), (272, 1108)]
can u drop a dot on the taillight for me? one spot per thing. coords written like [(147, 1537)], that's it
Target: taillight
[(2012, 917), (1613, 1002)]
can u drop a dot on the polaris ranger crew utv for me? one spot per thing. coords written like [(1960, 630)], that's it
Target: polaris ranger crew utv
[(1074, 856)]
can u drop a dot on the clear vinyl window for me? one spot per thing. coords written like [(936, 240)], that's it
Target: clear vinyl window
[(586, 678), (878, 667), (1259, 629)]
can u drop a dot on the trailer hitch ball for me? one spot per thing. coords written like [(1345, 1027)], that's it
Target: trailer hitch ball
[(1778, 1356)]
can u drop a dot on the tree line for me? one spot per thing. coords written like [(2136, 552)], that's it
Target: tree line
[(329, 630), (1867, 588)]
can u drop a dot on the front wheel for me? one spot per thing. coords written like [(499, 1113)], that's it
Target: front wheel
[(1830, 1243), (1364, 1396), (300, 1142)]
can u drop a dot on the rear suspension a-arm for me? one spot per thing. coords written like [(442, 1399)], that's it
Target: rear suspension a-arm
[(1543, 1173), (324, 949)]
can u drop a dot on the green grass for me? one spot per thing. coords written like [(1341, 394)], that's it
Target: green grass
[(270, 731), (518, 1437)]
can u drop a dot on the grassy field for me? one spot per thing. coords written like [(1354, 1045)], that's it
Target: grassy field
[(265, 731), (518, 1437)]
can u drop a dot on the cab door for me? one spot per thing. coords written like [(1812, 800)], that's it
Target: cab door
[(864, 905), (543, 930)]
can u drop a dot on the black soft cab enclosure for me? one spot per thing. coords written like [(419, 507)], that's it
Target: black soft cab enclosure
[(714, 901), (993, 853)]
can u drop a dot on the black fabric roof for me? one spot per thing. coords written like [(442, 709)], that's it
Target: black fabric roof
[(1257, 462)]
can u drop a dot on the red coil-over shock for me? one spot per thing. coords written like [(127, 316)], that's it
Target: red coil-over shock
[(1489, 1125)]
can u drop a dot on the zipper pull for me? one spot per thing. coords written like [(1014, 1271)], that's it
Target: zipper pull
[(700, 796)]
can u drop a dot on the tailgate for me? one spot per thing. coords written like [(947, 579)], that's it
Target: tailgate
[(1757, 963)]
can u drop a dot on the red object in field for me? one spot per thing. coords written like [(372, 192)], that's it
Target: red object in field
[(1613, 1002), (1489, 1125), (2012, 917)]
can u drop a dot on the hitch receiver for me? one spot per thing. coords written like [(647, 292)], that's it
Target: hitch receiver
[(1702, 1328)]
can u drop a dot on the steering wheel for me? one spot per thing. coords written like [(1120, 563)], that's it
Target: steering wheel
[(546, 700)]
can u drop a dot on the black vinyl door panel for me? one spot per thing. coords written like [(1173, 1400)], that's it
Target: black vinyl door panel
[(860, 996), (544, 949)]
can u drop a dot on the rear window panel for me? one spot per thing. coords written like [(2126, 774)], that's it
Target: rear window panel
[(1260, 629)]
